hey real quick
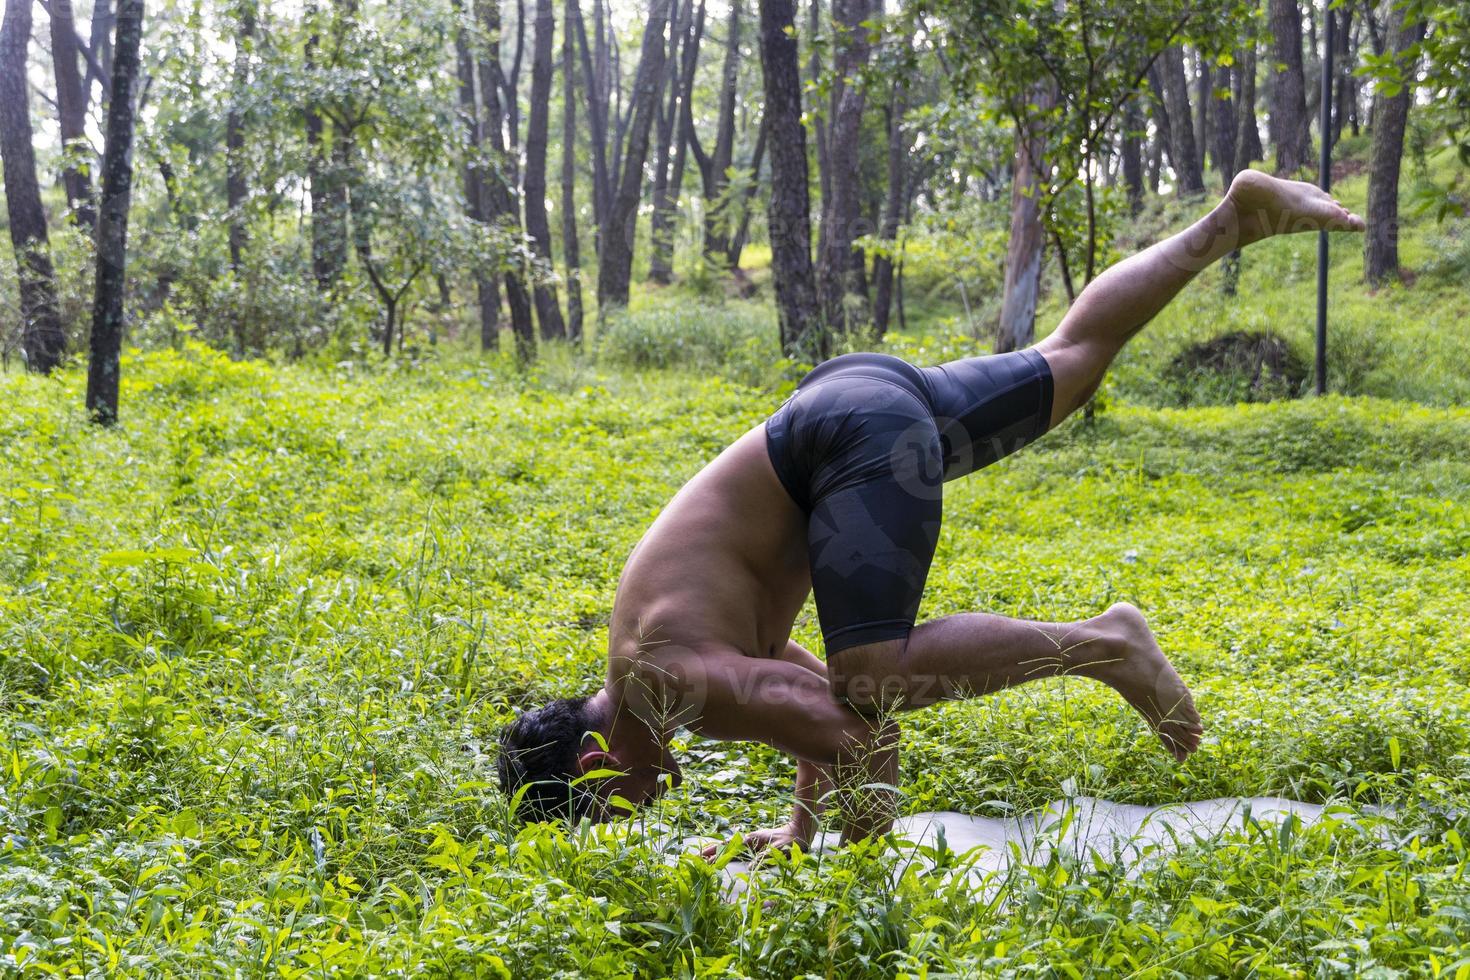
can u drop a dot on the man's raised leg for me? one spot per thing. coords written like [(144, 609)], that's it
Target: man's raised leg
[(1118, 303)]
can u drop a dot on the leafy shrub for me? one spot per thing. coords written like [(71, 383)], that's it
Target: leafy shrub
[(1236, 367), (737, 340)]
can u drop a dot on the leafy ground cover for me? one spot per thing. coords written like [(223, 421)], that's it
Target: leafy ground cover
[(255, 645)]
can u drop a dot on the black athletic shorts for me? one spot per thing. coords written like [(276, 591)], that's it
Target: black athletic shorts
[(865, 445)]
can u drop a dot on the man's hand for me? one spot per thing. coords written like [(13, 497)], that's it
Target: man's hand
[(781, 838)]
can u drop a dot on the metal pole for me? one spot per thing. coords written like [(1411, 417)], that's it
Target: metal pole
[(1326, 127)]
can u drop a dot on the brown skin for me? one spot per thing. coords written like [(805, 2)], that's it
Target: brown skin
[(700, 631)]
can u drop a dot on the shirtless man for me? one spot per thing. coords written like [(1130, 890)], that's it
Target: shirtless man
[(839, 493)]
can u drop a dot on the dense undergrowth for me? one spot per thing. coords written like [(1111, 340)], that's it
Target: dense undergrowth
[(256, 642)]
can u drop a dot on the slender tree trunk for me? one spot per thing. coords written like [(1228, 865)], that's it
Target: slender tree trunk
[(511, 86), (42, 337), (499, 184), (1289, 123), (548, 310), (487, 293), (661, 254), (1223, 110), (236, 186), (1183, 155), (616, 268), (790, 208), (1248, 135), (742, 231), (1017, 326), (686, 98), (840, 279), (1342, 68), (1204, 98), (1390, 120), (893, 204), (71, 111), (597, 124), (112, 219), (717, 224), (571, 249), (1133, 153), (99, 66)]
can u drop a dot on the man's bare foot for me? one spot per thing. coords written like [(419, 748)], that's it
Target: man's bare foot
[(1148, 681), (1266, 206)]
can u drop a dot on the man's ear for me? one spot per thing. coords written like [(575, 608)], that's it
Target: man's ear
[(595, 758)]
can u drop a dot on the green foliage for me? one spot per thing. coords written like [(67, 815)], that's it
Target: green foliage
[(735, 339), (255, 644)]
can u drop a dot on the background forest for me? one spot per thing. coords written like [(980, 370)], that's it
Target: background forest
[(402, 321)]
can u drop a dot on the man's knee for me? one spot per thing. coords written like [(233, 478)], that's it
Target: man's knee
[(871, 678)]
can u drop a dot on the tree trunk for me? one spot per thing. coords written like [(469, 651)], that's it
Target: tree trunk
[(1289, 123), (236, 186), (112, 218), (42, 338), (742, 231), (893, 203), (1390, 119), (616, 268), (1223, 110), (1342, 68), (661, 255), (717, 229), (487, 293), (71, 111), (1204, 99), (548, 311), (818, 121), (1248, 135), (597, 124), (499, 185), (1183, 154), (840, 278), (99, 66), (1017, 326), (790, 207), (1133, 153), (570, 248)]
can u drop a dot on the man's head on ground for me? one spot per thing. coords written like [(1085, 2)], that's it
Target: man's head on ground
[(549, 748)]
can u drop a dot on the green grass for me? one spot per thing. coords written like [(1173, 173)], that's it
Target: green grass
[(255, 645)]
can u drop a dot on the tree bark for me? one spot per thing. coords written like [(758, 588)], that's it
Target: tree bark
[(616, 268), (548, 310), (1132, 153), (1390, 119), (1203, 122), (895, 197), (570, 248), (501, 208), (1223, 110), (1017, 326), (790, 206), (717, 229), (42, 338), (236, 187), (1289, 123), (99, 66), (840, 268), (596, 123), (661, 256), (1248, 135), (112, 219), (1183, 154), (487, 293), (71, 112), (742, 231)]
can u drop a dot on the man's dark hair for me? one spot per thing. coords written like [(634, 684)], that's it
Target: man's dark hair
[(540, 749)]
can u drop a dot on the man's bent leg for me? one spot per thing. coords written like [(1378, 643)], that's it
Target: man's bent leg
[(1118, 303), (973, 654)]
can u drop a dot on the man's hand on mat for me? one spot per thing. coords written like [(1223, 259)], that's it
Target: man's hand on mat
[(781, 838)]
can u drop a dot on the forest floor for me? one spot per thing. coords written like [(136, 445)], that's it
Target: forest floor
[(256, 642)]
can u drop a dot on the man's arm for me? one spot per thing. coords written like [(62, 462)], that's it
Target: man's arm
[(787, 703)]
